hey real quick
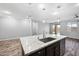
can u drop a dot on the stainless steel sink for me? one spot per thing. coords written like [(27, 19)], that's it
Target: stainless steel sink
[(48, 39)]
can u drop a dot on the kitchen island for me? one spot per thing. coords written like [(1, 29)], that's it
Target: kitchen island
[(32, 44)]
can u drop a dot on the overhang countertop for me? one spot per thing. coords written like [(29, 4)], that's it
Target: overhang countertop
[(31, 43)]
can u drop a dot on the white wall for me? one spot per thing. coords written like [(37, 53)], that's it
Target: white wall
[(12, 28), (43, 27)]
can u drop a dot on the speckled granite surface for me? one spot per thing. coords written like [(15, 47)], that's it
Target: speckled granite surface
[(32, 43), (10, 48)]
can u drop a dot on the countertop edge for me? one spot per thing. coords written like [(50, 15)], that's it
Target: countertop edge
[(28, 53)]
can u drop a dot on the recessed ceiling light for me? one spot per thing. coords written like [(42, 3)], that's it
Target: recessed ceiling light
[(41, 6), (58, 6), (43, 9), (30, 3), (43, 21)]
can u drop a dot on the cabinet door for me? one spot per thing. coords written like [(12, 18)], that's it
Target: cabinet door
[(39, 53), (50, 51), (57, 49), (62, 47), (53, 50)]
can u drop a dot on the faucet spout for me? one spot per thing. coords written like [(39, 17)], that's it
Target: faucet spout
[(43, 34)]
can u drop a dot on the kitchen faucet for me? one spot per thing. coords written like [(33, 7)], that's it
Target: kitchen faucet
[(43, 34)]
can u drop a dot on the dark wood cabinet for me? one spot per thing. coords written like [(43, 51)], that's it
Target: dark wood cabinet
[(50, 50), (62, 47), (55, 49), (38, 53)]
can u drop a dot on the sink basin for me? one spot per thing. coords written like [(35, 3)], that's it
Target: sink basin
[(48, 39)]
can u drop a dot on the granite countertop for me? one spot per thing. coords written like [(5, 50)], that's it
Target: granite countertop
[(31, 43)]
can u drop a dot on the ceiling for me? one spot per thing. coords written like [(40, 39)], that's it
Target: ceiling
[(46, 12)]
